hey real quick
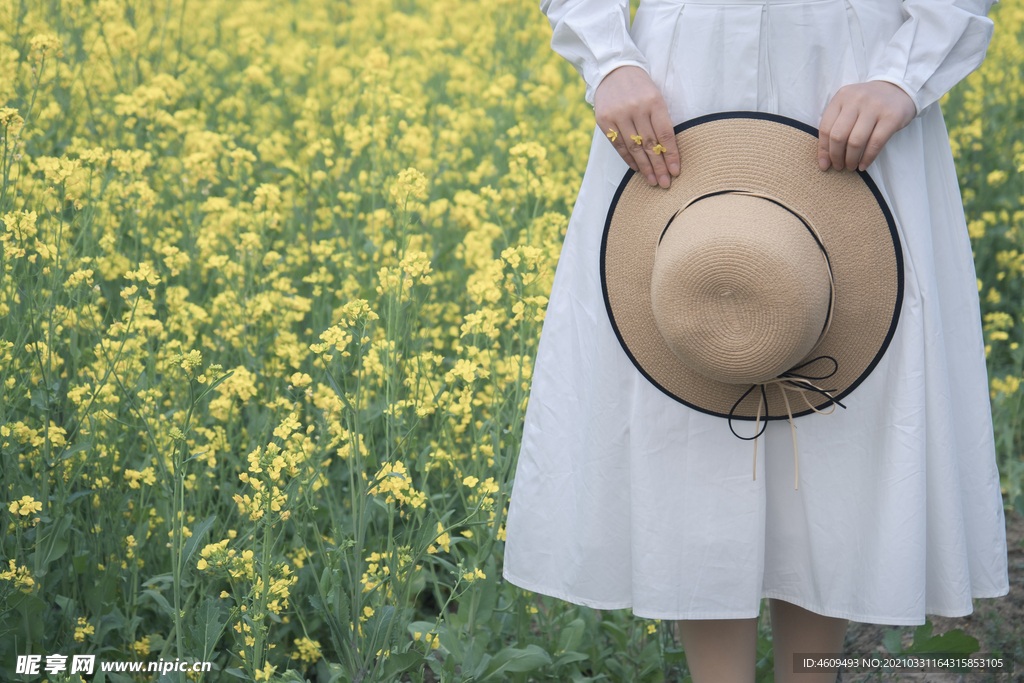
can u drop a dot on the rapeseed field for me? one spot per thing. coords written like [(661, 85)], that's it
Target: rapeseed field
[(272, 278)]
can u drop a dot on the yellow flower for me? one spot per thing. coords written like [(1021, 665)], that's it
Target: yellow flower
[(141, 647), (267, 671), (83, 629), (474, 575), (613, 134), (443, 540), (659, 149), (307, 650), (26, 506)]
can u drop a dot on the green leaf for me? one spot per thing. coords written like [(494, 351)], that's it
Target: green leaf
[(77, 448), (953, 642), (337, 674), (891, 641), (1018, 504), (922, 633), (513, 659), (651, 658), (425, 627), (160, 600), (112, 621), (31, 608), (376, 627), (572, 635), (208, 627), (53, 542), (338, 598), (456, 620), (570, 657), (197, 536), (196, 455), (481, 666), (619, 636), (79, 494), (488, 588), (66, 604), (398, 663)]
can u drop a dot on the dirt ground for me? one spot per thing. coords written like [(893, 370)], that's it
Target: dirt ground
[(997, 623)]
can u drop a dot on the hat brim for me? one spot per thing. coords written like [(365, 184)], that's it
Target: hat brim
[(776, 157)]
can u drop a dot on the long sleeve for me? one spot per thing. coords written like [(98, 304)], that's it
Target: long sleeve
[(939, 43), (593, 35)]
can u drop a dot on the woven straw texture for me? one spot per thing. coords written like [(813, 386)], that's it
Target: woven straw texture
[(740, 288), (779, 161)]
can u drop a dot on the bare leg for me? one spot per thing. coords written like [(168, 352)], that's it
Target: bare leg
[(795, 629), (720, 650)]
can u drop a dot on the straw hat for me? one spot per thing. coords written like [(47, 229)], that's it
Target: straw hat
[(754, 271)]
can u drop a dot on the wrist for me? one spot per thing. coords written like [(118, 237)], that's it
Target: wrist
[(903, 88)]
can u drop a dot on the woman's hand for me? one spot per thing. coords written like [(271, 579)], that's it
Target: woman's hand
[(628, 104), (858, 122)]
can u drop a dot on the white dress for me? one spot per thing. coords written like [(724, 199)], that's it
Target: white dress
[(624, 497)]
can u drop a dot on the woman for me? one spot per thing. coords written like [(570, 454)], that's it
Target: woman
[(626, 498)]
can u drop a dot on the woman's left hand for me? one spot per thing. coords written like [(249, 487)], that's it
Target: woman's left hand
[(858, 122)]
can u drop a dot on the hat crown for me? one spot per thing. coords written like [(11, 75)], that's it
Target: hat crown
[(740, 288)]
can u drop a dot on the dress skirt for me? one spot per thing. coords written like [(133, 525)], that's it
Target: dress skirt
[(624, 497)]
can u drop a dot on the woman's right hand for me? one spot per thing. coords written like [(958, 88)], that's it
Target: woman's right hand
[(627, 103)]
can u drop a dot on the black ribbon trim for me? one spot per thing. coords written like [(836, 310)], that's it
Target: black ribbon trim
[(802, 382)]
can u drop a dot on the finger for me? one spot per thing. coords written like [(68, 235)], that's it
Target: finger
[(858, 140), (828, 119), (884, 129), (615, 137), (639, 155), (667, 137), (657, 158), (838, 137)]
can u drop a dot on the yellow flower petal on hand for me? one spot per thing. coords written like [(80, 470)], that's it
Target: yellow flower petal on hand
[(613, 134), (658, 149), (638, 139)]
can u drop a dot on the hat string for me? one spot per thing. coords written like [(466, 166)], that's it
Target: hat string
[(787, 381)]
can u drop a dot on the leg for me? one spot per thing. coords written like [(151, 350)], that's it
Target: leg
[(795, 629), (720, 650)]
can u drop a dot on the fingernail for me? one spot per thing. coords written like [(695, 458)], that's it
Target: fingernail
[(674, 169), (652, 180), (665, 181), (823, 163)]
